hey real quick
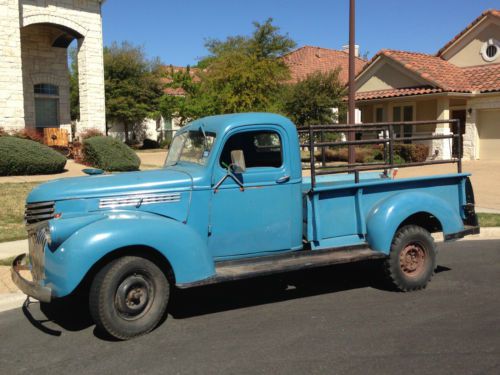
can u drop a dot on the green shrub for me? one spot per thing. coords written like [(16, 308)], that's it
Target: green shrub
[(24, 157), (109, 154)]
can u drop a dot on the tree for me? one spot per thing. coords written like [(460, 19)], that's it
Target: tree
[(240, 74), (311, 100), (74, 92), (132, 84)]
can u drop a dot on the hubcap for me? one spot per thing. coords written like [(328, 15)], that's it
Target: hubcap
[(412, 259), (134, 296)]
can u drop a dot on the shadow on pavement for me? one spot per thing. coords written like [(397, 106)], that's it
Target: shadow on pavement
[(72, 313), (228, 296)]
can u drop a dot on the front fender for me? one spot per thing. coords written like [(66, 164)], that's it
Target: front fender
[(66, 266), (385, 218)]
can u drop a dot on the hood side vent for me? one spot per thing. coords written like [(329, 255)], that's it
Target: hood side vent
[(139, 200)]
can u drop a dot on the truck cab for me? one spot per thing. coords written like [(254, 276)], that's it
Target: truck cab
[(230, 202)]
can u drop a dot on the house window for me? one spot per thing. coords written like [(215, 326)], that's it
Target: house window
[(46, 105), (379, 114), (402, 114), (490, 50)]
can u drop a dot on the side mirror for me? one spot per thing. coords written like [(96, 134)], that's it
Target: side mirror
[(238, 161)]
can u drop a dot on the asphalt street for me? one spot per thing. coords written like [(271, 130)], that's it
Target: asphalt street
[(335, 320)]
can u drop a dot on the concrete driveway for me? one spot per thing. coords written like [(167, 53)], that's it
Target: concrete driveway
[(485, 180)]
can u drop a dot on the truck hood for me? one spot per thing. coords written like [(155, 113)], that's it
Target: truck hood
[(112, 184)]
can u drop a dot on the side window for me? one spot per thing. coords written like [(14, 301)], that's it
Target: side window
[(261, 149)]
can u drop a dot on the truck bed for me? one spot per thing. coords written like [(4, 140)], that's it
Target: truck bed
[(337, 212)]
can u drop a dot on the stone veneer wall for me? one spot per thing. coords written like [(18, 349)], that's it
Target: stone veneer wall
[(43, 63), (11, 77), (82, 16)]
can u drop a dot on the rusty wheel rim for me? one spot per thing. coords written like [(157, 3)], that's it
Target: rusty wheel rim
[(134, 296), (412, 259)]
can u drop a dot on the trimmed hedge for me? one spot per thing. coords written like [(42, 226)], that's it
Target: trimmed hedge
[(109, 154), (24, 157)]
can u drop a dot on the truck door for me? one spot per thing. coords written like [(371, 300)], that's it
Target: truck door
[(257, 219)]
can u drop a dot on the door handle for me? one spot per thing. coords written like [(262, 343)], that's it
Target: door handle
[(283, 179)]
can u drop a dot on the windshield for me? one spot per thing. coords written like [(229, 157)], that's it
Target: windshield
[(191, 146)]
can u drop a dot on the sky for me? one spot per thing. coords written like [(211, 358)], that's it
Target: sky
[(175, 31)]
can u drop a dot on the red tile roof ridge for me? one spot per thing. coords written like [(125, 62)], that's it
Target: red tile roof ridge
[(325, 49), (390, 93), (389, 51), (494, 12)]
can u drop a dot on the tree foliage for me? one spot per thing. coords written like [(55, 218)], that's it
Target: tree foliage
[(240, 74), (311, 100), (74, 92), (133, 86)]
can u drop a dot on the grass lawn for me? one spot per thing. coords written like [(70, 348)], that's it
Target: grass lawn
[(489, 220), (12, 200), (13, 197)]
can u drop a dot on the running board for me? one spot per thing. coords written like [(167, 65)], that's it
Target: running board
[(238, 269)]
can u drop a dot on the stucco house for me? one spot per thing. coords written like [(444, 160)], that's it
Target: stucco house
[(461, 81), (34, 78)]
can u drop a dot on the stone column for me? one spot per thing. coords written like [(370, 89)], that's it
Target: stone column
[(91, 81), (471, 137), (442, 148), (11, 75)]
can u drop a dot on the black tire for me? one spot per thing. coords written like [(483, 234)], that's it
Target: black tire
[(412, 259), (129, 297)]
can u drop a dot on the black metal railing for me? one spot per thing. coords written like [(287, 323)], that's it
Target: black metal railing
[(313, 137)]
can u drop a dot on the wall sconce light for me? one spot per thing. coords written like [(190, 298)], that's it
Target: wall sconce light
[(469, 111)]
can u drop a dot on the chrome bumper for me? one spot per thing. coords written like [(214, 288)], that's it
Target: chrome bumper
[(41, 293)]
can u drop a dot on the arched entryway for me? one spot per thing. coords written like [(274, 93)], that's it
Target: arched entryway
[(46, 81)]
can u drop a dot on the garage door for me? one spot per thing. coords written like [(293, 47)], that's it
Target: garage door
[(489, 134)]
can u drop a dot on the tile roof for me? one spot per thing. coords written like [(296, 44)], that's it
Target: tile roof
[(392, 93), (308, 59), (177, 91), (483, 78), (494, 12), (441, 75)]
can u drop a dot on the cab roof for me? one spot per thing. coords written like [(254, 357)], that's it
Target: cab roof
[(223, 123)]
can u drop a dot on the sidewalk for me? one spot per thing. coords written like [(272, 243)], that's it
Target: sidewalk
[(10, 249), (72, 169)]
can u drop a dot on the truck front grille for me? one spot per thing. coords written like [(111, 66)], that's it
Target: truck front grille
[(37, 212), (37, 242)]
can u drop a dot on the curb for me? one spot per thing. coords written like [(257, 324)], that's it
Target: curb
[(10, 301), (13, 248)]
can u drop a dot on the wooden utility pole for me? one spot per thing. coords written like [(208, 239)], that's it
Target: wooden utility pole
[(352, 75)]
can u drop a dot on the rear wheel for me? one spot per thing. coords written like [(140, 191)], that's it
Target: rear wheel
[(129, 297), (412, 259)]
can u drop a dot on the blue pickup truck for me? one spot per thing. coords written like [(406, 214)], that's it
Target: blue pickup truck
[(230, 203)]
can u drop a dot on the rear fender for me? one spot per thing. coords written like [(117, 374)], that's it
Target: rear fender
[(187, 253), (385, 218)]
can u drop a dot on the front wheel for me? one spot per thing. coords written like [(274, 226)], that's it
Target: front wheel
[(129, 297), (412, 259)]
